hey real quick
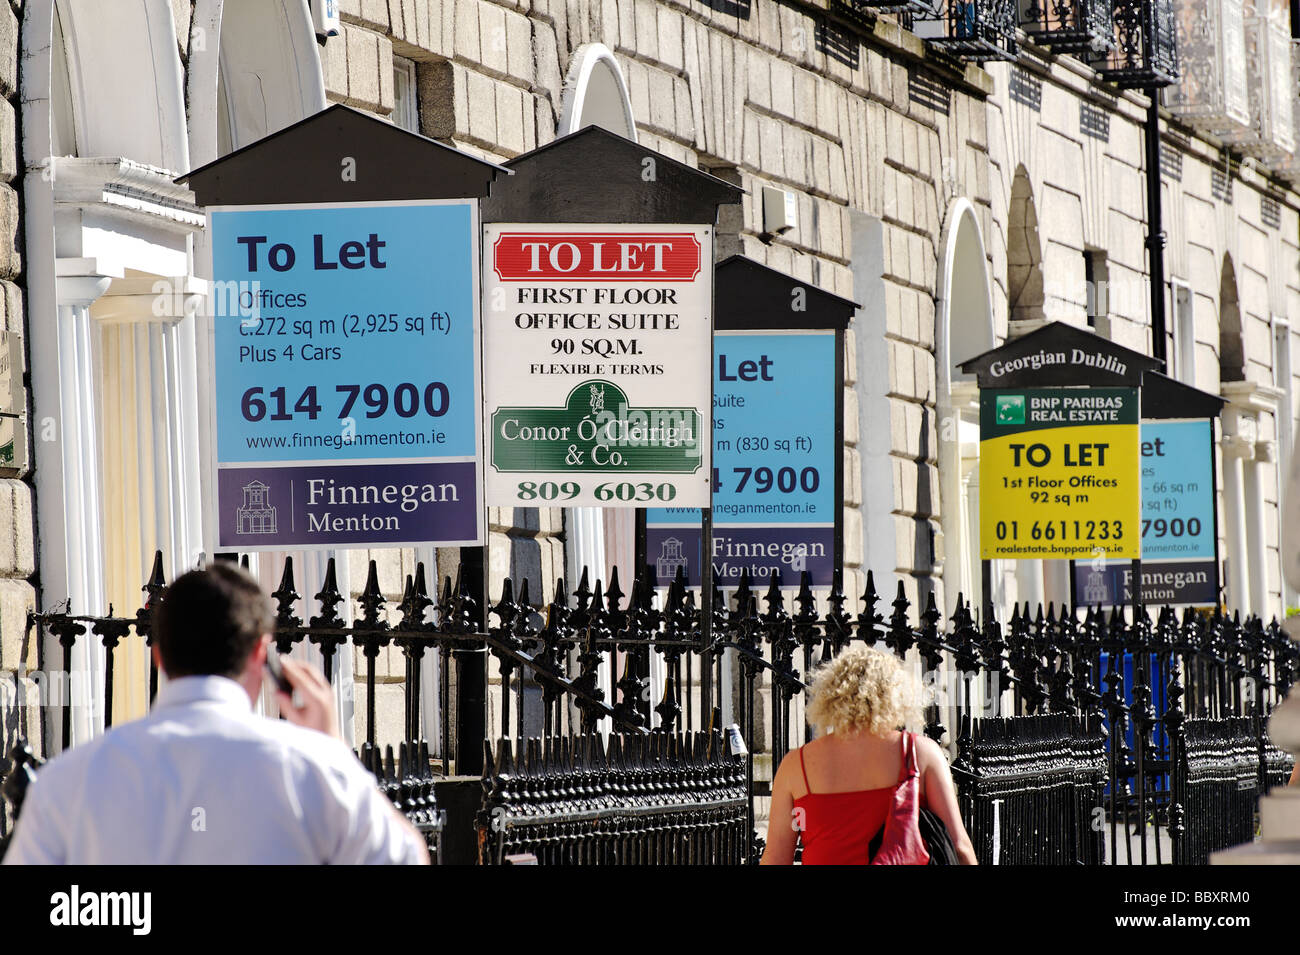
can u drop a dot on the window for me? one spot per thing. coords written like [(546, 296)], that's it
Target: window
[(1096, 273), (1183, 360), (406, 111)]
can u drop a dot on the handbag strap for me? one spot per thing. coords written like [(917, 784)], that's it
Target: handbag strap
[(909, 767)]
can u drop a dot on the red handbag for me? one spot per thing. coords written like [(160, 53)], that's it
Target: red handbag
[(901, 842)]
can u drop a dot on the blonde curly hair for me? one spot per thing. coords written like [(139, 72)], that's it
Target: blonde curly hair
[(863, 690)]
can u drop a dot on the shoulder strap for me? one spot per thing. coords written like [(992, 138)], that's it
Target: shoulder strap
[(805, 771), (909, 757)]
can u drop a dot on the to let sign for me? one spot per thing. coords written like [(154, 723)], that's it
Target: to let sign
[(346, 396), (597, 388), (1059, 473), (1179, 564), (774, 451)]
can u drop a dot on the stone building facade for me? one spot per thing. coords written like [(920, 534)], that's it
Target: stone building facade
[(19, 652), (957, 203)]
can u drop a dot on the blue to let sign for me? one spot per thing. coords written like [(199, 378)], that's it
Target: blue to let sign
[(774, 458), (345, 350), (1179, 561)]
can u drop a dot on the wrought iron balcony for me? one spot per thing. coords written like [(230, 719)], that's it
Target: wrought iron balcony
[(1289, 167), (976, 30), (1069, 26), (1211, 93), (1270, 134), (919, 8), (1145, 54)]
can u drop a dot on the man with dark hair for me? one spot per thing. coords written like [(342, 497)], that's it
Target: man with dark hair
[(203, 778)]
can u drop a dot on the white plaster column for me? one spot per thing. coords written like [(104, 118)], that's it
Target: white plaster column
[(431, 662), (972, 518), (584, 547), (969, 577), (1256, 530), (1056, 582), (1029, 584), (146, 328), (1235, 452), (70, 507), (185, 399)]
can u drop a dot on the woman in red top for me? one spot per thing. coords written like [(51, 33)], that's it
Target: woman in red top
[(833, 793)]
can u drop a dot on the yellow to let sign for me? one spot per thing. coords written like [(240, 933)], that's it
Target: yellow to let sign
[(1060, 474)]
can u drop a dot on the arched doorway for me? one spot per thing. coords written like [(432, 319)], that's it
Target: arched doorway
[(1036, 581), (595, 94), (1024, 254), (254, 69), (1246, 459), (964, 329), (116, 470), (1232, 350)]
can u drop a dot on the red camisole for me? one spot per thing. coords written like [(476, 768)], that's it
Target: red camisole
[(838, 826)]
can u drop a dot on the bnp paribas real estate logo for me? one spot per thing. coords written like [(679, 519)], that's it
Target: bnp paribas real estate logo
[(1010, 409)]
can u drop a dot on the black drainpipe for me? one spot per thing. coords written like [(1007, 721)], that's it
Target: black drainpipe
[(1155, 241)]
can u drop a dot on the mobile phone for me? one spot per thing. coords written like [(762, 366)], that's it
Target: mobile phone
[(277, 672)]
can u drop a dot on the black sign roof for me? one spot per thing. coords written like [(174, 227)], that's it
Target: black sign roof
[(341, 155), (1059, 354), (594, 175), (1165, 397), (748, 294)]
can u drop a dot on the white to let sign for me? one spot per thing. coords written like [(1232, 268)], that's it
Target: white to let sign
[(598, 348)]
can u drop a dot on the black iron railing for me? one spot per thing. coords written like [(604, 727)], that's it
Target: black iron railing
[(1216, 782), (975, 30), (407, 779), (1031, 789), (651, 663), (19, 771), (1070, 26), (920, 8), (656, 799), (1145, 53)]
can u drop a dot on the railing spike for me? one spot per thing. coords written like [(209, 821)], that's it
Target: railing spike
[(156, 576)]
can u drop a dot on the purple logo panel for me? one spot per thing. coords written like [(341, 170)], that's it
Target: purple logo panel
[(789, 549), (347, 505), (1192, 582)]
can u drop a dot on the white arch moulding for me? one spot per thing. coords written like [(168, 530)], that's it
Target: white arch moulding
[(254, 69), (964, 328), (595, 94)]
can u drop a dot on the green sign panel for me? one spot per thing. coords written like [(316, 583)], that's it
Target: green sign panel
[(596, 430)]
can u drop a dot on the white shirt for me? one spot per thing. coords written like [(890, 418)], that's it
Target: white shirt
[(203, 779)]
